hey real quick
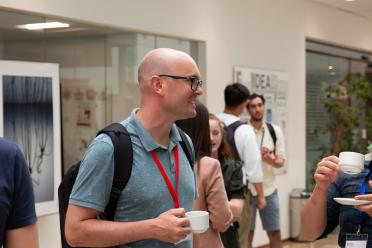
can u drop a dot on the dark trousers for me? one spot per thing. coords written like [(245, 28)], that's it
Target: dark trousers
[(230, 238)]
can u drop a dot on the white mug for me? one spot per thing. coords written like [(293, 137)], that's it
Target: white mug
[(351, 162), (199, 221)]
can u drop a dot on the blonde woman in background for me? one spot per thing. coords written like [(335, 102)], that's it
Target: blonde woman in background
[(233, 179)]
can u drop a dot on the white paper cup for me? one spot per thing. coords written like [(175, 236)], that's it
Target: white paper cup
[(351, 162), (199, 221)]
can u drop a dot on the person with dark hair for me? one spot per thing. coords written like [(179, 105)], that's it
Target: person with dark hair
[(254, 96), (245, 149), (161, 189), (233, 178), (235, 94), (209, 178), (270, 139), (17, 205)]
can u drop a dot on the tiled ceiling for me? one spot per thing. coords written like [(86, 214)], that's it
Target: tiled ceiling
[(361, 8)]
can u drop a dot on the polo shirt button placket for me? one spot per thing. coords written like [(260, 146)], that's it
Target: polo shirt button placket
[(171, 162)]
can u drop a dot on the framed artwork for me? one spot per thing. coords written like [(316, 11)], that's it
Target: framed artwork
[(30, 116)]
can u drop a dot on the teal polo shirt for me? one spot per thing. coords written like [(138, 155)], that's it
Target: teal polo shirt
[(146, 195)]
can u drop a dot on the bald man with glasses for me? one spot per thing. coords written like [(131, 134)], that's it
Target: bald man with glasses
[(148, 215)]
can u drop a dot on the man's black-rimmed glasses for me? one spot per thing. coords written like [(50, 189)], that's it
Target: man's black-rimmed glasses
[(194, 82)]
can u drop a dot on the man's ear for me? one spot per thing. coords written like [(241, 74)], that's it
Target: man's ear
[(157, 85)]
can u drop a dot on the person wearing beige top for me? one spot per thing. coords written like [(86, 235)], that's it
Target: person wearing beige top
[(212, 196), (273, 156)]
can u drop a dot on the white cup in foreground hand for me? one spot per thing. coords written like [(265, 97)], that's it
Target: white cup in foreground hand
[(351, 162), (199, 221)]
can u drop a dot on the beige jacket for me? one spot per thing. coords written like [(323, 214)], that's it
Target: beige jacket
[(212, 198)]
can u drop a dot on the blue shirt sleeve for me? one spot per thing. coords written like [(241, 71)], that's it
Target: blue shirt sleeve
[(94, 180), (22, 212)]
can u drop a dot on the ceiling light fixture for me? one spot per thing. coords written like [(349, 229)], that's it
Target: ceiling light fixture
[(349, 0), (44, 25)]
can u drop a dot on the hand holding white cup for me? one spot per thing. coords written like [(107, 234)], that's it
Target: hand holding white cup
[(351, 162), (199, 221)]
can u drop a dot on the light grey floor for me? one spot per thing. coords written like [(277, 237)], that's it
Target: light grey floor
[(329, 242)]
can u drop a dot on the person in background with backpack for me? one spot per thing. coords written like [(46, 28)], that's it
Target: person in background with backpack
[(17, 205), (232, 176), (243, 143), (271, 142), (212, 195), (161, 188)]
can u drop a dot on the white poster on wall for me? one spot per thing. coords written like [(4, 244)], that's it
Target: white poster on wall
[(273, 85), (30, 116)]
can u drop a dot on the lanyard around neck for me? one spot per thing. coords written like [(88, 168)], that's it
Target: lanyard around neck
[(172, 191), (362, 191), (262, 137)]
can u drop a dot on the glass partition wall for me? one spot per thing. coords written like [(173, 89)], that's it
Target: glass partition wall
[(326, 65), (98, 70)]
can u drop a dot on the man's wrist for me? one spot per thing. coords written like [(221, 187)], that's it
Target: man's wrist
[(320, 190), (260, 195), (151, 229)]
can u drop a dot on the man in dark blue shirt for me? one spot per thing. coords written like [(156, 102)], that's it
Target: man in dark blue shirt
[(17, 206), (321, 214)]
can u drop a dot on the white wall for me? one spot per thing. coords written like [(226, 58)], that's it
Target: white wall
[(1, 49), (257, 33), (48, 228)]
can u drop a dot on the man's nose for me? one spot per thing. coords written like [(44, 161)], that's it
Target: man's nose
[(199, 91)]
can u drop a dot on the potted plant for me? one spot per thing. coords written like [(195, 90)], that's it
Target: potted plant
[(350, 116)]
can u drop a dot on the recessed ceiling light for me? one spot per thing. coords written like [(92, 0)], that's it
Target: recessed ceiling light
[(44, 25), (349, 0), (330, 67)]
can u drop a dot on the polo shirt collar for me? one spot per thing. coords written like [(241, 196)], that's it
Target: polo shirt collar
[(147, 140)]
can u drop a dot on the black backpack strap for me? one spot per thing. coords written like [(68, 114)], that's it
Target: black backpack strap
[(272, 134), (186, 147), (123, 160), (233, 126)]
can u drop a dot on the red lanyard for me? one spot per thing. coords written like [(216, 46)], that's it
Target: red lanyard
[(174, 193)]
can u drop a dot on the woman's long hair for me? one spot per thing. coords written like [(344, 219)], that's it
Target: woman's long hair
[(198, 130), (224, 151)]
